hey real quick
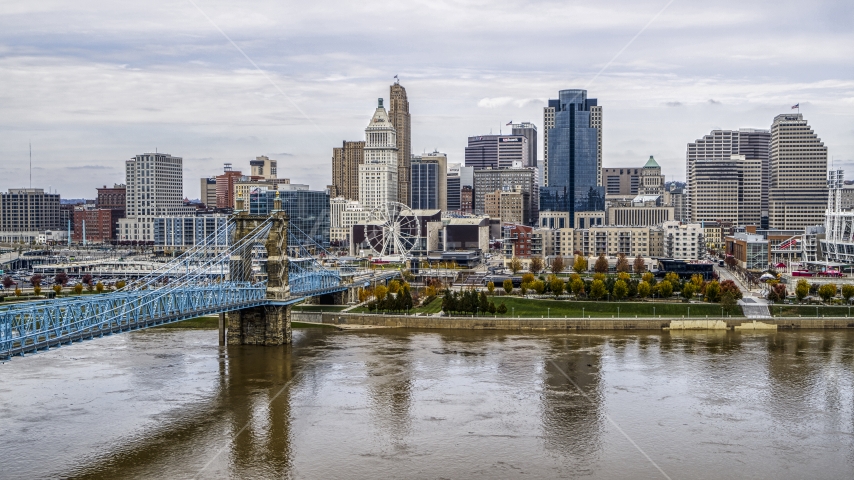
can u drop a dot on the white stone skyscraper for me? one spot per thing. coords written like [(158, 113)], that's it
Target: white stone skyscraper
[(378, 176), (797, 194)]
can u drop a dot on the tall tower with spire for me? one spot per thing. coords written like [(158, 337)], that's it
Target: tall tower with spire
[(400, 120), (378, 176)]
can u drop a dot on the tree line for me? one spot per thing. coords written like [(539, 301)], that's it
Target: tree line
[(624, 286)]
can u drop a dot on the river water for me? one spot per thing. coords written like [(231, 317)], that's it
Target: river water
[(434, 404)]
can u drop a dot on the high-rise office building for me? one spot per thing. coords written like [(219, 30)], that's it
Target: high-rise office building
[(651, 181), (225, 186), (308, 210), (497, 151), (429, 181), (454, 189), (29, 210), (549, 122), (424, 184), (207, 191), (720, 145), (378, 176), (398, 113), (244, 185), (506, 179), (596, 122), (797, 194), (679, 202), (529, 131), (345, 169), (574, 174), (727, 191), (622, 181), (155, 188), (511, 206), (264, 167)]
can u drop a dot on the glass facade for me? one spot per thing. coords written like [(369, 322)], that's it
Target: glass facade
[(453, 193), (424, 185), (308, 210), (573, 158), (180, 232)]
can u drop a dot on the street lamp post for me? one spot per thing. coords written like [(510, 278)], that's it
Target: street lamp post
[(548, 312), (689, 312)]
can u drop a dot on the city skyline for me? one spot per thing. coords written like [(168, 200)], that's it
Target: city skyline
[(100, 89)]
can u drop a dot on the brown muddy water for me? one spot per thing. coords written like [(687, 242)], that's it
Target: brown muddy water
[(434, 404)]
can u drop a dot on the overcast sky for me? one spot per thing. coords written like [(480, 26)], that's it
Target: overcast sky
[(92, 83)]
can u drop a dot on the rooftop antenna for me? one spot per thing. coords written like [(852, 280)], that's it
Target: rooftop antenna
[(31, 164)]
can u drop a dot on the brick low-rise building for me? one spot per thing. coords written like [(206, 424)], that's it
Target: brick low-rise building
[(101, 225)]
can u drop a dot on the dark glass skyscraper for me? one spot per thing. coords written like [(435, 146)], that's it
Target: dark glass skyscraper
[(308, 210), (573, 158), (424, 185)]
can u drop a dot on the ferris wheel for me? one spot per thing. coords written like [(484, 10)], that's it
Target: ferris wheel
[(392, 229)]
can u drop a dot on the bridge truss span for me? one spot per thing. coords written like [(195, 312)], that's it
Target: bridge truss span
[(30, 328), (206, 279)]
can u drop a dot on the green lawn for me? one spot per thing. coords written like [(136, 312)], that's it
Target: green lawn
[(433, 307), (559, 308), (809, 311)]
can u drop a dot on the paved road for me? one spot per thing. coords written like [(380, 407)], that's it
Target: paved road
[(725, 274)]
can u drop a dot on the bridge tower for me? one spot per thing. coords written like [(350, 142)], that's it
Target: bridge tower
[(269, 324)]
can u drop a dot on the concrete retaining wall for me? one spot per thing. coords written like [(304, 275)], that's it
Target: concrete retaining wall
[(485, 323), (307, 317)]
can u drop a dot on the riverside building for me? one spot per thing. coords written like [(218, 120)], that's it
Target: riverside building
[(378, 176), (400, 119), (797, 193), (720, 146), (27, 213), (573, 182), (154, 189), (345, 169), (497, 151)]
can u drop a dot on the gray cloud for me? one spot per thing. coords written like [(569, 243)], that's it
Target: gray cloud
[(673, 104), (712, 101), (88, 167), (96, 84)]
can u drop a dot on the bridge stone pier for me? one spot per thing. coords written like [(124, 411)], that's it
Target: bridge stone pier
[(269, 324)]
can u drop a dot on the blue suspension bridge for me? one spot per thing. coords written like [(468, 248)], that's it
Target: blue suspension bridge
[(253, 268)]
